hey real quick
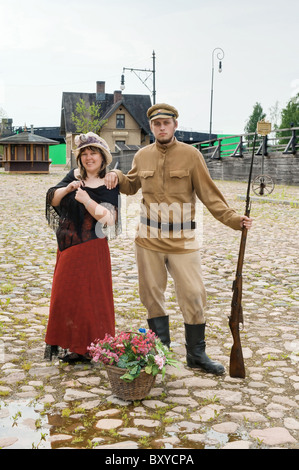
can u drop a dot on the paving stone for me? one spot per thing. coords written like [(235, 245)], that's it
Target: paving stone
[(7, 441), (207, 413), (187, 401), (133, 432), (227, 427), (120, 445), (238, 445), (71, 394), (90, 404), (187, 426), (109, 423), (250, 416), (174, 442), (15, 377), (209, 410), (196, 437), (60, 438), (111, 412), (291, 423), (273, 436), (154, 404), (147, 423), (227, 397)]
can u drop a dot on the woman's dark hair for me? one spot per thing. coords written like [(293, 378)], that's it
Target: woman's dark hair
[(102, 171)]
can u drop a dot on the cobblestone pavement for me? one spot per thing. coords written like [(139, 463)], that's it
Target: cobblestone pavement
[(49, 405)]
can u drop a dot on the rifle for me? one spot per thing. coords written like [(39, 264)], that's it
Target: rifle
[(236, 365)]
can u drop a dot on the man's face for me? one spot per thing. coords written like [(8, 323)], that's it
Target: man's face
[(164, 129)]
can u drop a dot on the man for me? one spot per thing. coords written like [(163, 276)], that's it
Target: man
[(171, 174)]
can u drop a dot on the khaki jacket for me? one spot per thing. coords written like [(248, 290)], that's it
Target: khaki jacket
[(170, 177)]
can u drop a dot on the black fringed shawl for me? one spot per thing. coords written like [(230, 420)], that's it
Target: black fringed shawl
[(72, 223)]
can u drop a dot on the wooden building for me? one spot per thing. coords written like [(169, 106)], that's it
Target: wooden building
[(26, 153)]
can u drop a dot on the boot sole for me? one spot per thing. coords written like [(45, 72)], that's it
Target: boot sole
[(193, 365)]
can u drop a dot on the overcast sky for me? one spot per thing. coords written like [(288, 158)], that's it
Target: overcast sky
[(51, 46)]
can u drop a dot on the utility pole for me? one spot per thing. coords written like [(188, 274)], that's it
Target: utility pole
[(149, 72)]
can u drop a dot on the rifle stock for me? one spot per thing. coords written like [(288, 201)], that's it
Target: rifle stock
[(236, 364)]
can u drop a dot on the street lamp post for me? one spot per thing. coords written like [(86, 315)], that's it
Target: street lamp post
[(220, 56), (150, 72)]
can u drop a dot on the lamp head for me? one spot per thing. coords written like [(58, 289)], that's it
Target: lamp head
[(122, 82)]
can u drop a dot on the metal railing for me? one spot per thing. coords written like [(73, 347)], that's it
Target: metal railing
[(283, 141)]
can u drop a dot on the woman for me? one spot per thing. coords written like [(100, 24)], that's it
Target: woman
[(83, 213)]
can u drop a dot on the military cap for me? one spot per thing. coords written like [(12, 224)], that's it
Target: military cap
[(162, 110)]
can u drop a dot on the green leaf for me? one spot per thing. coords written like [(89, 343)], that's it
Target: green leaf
[(148, 369), (127, 377), (123, 362), (155, 369), (135, 370)]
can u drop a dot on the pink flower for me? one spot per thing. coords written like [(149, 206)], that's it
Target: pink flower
[(160, 361)]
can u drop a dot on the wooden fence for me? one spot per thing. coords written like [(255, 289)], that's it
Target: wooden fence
[(276, 156), (283, 141)]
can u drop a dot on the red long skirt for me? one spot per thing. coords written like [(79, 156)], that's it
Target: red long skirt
[(81, 308)]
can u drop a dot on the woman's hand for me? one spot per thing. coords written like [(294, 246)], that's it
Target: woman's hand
[(60, 193), (98, 211), (73, 186), (81, 195)]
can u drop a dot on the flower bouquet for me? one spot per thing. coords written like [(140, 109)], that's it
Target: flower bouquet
[(135, 357)]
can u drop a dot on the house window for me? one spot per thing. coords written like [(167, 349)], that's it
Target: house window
[(120, 121)]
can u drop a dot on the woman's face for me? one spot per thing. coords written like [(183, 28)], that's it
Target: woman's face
[(92, 160)]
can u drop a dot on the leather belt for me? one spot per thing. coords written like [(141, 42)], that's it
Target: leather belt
[(169, 227)]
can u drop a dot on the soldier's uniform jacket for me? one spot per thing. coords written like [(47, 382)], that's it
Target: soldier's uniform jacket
[(171, 176)]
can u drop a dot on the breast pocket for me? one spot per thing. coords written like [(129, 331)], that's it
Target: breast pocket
[(147, 180), (179, 181)]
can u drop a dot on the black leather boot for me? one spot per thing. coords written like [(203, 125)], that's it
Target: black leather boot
[(50, 351), (160, 326), (196, 354)]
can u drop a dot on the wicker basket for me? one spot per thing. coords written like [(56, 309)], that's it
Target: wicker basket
[(138, 389)]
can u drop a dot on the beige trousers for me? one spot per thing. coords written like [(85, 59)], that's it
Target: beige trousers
[(185, 269)]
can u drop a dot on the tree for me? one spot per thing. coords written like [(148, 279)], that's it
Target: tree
[(256, 116), (88, 118), (3, 113), (289, 118), (3, 117), (275, 115), (290, 114)]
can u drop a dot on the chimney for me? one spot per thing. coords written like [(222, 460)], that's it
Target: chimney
[(100, 87), (117, 96), (100, 93)]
